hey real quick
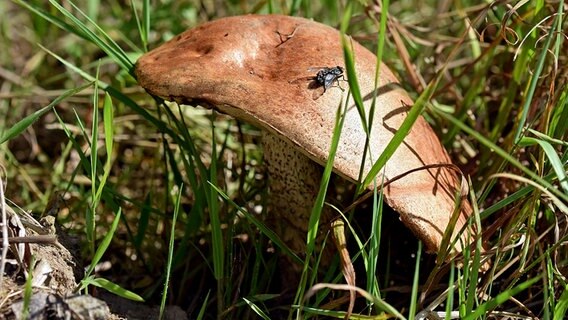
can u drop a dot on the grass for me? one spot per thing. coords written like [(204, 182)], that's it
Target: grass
[(491, 80)]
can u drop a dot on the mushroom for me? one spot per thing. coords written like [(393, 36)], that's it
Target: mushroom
[(248, 67)]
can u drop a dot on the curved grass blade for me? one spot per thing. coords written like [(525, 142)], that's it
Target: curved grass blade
[(114, 288), (170, 253), (23, 124), (503, 154), (553, 158), (103, 246), (401, 133), (485, 308), (534, 81)]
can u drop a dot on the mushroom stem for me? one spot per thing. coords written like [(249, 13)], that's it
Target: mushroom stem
[(294, 181)]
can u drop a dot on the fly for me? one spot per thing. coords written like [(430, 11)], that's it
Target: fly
[(325, 78)]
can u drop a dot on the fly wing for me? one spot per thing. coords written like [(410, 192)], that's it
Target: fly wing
[(318, 92), (302, 79), (329, 80), (316, 69)]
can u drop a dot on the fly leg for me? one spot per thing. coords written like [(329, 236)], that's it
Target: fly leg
[(336, 82)]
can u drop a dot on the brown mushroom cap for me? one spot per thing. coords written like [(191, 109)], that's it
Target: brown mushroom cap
[(246, 66)]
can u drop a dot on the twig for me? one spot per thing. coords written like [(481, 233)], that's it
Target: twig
[(5, 242), (41, 238)]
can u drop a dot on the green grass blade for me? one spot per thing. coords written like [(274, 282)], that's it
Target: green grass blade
[(163, 127), (25, 123), (28, 290), (143, 221), (56, 21), (263, 228), (177, 205), (145, 34), (108, 119), (401, 133), (559, 122), (375, 242), (331, 314), (113, 288), (381, 43), (415, 283), (313, 224), (450, 296), (112, 49), (391, 311), (506, 201), (201, 314), (534, 82), (217, 243), (85, 163), (144, 23), (472, 266), (349, 59), (553, 159), (216, 235), (103, 246), (93, 142), (256, 309), (561, 305), (547, 138), (294, 7), (503, 154), (486, 307)]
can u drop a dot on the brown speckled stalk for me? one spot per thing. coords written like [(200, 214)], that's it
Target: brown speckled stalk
[(293, 185), (294, 182)]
